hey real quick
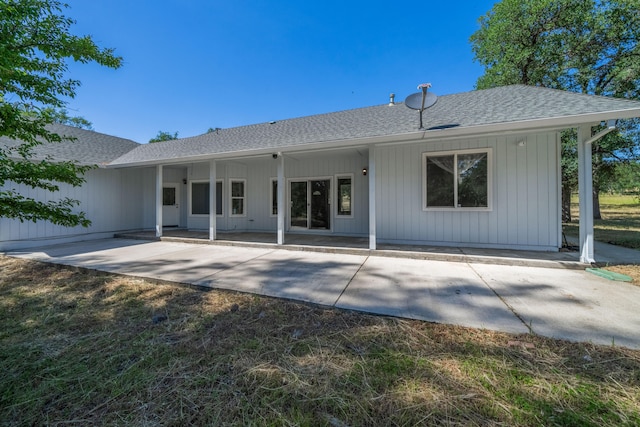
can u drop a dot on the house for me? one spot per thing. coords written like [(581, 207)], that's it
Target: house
[(483, 171)]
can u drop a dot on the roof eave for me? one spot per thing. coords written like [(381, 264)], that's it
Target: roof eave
[(542, 124)]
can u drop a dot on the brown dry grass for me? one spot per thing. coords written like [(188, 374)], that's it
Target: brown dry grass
[(632, 271), (82, 348)]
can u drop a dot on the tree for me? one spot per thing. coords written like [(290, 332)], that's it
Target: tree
[(164, 136), (62, 116), (586, 46), (36, 46)]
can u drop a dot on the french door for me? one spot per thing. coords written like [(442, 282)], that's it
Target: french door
[(170, 205), (310, 204)]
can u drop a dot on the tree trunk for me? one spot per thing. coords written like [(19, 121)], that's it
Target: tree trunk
[(596, 203), (566, 203)]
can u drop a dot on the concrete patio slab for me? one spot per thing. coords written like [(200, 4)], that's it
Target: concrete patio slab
[(555, 302), (186, 263), (436, 291), (305, 276), (569, 304)]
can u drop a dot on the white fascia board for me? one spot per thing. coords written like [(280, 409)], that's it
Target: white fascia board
[(564, 122), (543, 124), (315, 146)]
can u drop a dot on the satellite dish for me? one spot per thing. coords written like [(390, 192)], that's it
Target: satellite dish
[(421, 100), (414, 101)]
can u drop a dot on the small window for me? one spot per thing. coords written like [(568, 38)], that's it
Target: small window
[(274, 197), (345, 195), (200, 198), (457, 180), (168, 196), (238, 198)]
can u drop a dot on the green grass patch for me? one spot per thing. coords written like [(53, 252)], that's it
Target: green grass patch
[(620, 223), (84, 349)]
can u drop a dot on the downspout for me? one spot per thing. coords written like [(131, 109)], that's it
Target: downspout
[(611, 126), (585, 190)]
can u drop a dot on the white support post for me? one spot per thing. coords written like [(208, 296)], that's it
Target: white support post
[(159, 201), (372, 198), (585, 194), (281, 193), (212, 200)]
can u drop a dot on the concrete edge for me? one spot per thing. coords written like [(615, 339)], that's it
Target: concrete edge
[(427, 256)]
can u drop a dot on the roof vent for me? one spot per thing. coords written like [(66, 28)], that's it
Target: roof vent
[(392, 98)]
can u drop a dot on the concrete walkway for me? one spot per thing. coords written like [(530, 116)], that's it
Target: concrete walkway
[(554, 302)]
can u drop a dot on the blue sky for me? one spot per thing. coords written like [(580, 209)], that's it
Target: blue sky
[(194, 64)]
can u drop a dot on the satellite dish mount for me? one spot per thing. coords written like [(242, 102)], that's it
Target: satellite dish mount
[(421, 100)]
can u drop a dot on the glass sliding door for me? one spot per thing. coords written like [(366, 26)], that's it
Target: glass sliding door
[(320, 208), (310, 204), (299, 204)]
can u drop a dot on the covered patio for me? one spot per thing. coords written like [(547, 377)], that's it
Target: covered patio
[(360, 246)]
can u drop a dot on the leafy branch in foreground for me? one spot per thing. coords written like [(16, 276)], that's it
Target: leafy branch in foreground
[(36, 46)]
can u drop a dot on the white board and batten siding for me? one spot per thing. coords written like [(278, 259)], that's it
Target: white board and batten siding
[(525, 191), (112, 199)]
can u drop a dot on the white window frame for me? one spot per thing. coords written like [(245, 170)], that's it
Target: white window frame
[(337, 188), (244, 197), (489, 207), (204, 181)]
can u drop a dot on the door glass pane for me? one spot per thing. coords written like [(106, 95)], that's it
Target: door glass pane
[(344, 196), (169, 196), (299, 204), (440, 183), (320, 208)]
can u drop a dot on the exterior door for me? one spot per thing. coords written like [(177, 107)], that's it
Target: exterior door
[(299, 205), (310, 206), (170, 205)]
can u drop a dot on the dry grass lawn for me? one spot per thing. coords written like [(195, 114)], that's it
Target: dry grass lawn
[(82, 348)]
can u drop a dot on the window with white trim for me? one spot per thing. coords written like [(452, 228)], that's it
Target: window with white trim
[(237, 194), (199, 198), (344, 195), (457, 180)]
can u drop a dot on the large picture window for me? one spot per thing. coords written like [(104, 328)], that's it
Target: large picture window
[(200, 198), (238, 197), (457, 180)]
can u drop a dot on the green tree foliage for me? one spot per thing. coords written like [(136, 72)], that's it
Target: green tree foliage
[(164, 136), (62, 116), (627, 179), (36, 46), (584, 46)]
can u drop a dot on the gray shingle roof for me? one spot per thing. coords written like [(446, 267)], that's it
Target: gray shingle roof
[(517, 104), (89, 147)]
